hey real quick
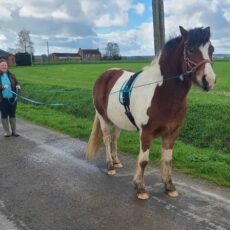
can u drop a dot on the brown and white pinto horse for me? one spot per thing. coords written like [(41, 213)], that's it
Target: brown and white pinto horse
[(158, 109)]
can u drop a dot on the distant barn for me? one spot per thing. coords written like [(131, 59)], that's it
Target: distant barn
[(8, 57), (64, 56), (83, 54), (89, 54)]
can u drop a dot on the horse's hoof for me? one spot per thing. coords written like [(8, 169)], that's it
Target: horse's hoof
[(111, 172), (143, 196), (173, 194), (118, 165)]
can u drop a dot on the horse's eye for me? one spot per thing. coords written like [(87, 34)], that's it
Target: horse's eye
[(191, 50)]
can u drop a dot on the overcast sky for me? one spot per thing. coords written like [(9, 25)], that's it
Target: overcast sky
[(72, 24)]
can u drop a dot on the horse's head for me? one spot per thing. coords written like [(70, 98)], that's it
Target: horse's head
[(198, 52)]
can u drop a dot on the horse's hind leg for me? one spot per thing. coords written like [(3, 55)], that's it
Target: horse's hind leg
[(107, 141), (115, 135), (143, 158)]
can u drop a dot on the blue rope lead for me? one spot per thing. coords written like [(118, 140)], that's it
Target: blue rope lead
[(62, 91), (37, 102)]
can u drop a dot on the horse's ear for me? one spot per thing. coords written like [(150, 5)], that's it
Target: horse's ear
[(207, 29), (183, 32)]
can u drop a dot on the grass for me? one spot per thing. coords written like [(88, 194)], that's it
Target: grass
[(202, 148)]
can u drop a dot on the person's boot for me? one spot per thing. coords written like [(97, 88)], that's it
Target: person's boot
[(13, 127), (6, 127)]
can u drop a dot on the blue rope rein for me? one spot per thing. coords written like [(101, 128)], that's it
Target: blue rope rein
[(184, 74), (36, 102), (61, 91)]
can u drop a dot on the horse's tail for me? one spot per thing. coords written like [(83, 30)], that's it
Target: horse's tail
[(94, 140)]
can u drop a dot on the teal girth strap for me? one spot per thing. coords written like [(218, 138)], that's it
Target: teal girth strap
[(125, 94)]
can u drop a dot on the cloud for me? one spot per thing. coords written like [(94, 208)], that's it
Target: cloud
[(196, 13), (64, 19), (2, 37), (107, 20), (139, 8), (71, 24), (137, 41), (48, 18)]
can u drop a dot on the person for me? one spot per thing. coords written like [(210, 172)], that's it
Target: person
[(8, 100)]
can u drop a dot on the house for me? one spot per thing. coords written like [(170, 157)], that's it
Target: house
[(64, 56), (89, 54), (8, 57), (83, 54)]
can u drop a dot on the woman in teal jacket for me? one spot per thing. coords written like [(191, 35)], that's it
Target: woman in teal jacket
[(8, 100)]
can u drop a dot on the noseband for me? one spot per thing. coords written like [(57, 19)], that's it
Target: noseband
[(193, 66)]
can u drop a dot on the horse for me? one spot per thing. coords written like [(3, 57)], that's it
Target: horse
[(157, 102)]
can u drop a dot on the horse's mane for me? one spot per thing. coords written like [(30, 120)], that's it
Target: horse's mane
[(195, 37)]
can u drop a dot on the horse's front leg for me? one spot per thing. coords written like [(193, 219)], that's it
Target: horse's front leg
[(143, 158), (166, 162)]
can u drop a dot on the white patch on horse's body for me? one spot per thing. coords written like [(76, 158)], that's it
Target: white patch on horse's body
[(115, 109), (150, 78), (145, 86), (208, 70)]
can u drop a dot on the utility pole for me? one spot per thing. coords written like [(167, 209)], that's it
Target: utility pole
[(31, 54), (158, 24), (48, 49), (31, 57)]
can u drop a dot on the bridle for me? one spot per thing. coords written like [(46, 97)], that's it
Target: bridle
[(191, 65)]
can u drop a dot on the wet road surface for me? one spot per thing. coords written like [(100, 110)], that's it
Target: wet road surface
[(46, 184)]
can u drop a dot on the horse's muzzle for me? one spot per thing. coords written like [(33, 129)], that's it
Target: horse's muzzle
[(205, 84)]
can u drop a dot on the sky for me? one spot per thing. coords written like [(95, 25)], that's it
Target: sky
[(73, 24)]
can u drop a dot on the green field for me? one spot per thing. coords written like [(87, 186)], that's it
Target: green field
[(202, 149)]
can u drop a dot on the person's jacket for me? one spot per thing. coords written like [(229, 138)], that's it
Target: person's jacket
[(13, 81)]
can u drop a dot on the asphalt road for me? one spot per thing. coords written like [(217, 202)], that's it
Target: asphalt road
[(47, 184)]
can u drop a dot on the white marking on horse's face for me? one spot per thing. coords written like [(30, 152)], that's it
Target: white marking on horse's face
[(207, 72)]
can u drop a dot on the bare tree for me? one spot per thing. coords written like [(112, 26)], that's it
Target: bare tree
[(158, 24), (112, 51), (24, 41)]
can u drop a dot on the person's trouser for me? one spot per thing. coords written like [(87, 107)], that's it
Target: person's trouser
[(8, 109)]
